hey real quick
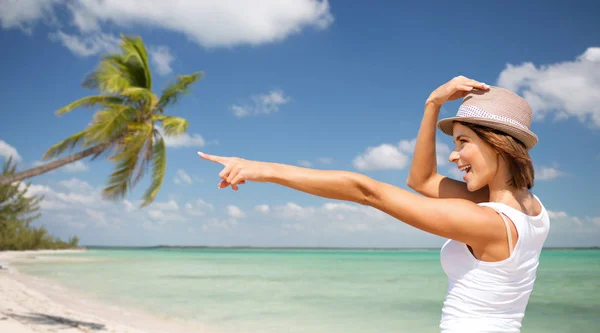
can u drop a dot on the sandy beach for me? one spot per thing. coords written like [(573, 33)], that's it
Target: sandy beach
[(29, 305)]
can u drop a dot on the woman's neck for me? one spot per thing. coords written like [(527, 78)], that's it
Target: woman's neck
[(502, 191), (520, 199), (508, 194)]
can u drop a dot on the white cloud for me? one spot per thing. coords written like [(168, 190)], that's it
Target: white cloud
[(164, 216), (183, 178), (128, 206), (162, 58), (566, 89), (294, 211), (325, 160), (335, 218), (170, 205), (23, 14), (97, 217), (182, 140), (382, 157), (548, 173), (442, 150), (322, 160), (213, 23), (74, 167), (556, 215), (262, 208), (7, 150), (198, 207), (35, 189), (76, 185), (79, 196), (85, 22), (564, 224), (240, 111), (262, 104), (76, 201), (390, 157), (84, 46), (235, 212), (215, 223), (185, 140)]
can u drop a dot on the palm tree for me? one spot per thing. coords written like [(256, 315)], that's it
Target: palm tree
[(127, 124)]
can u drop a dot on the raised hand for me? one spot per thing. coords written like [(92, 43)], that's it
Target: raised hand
[(237, 171), (456, 88)]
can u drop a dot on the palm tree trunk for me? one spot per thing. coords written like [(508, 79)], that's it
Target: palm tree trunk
[(8, 179)]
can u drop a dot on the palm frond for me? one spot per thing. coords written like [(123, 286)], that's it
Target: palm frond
[(127, 158), (176, 89), (134, 141), (89, 102), (134, 49), (108, 123), (137, 94), (172, 125), (123, 70), (118, 183), (111, 76), (144, 98), (146, 159), (68, 143), (159, 167)]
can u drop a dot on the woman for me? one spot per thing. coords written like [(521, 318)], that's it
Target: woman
[(496, 227)]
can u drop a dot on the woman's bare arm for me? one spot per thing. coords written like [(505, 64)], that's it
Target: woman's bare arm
[(457, 219), (423, 176)]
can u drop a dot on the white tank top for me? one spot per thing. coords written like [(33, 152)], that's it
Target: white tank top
[(488, 297)]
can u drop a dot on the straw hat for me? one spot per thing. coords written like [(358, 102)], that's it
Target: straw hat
[(497, 108)]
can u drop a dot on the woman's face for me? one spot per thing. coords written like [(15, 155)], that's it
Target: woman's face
[(474, 156)]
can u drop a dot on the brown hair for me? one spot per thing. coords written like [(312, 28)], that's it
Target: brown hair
[(512, 151)]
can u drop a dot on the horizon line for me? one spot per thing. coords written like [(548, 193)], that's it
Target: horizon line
[(302, 247)]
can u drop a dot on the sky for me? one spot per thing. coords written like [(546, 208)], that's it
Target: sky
[(321, 84)]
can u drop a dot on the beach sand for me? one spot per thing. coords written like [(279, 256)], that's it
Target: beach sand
[(29, 305)]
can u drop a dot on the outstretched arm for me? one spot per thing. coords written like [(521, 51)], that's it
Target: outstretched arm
[(457, 219)]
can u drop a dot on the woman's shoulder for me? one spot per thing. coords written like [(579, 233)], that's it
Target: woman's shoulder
[(532, 209)]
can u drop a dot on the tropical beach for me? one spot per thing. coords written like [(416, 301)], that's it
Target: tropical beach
[(266, 290), (30, 305), (25, 310), (299, 166)]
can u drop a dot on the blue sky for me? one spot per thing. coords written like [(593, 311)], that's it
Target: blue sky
[(328, 85)]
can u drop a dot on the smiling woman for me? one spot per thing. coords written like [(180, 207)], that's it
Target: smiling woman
[(512, 151), (496, 227)]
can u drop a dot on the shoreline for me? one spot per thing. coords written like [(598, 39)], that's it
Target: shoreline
[(29, 304)]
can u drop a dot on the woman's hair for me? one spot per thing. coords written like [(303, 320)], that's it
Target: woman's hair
[(512, 151)]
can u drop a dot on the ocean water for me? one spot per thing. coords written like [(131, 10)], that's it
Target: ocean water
[(316, 291)]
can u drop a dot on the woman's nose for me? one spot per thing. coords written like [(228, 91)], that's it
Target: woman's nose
[(453, 156)]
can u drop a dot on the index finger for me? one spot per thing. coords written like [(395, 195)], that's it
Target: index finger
[(214, 158)]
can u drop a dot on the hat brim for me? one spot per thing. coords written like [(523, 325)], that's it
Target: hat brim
[(528, 138)]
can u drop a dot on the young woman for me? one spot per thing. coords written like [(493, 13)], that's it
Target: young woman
[(495, 226)]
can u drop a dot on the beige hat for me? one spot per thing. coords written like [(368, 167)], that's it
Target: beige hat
[(497, 108)]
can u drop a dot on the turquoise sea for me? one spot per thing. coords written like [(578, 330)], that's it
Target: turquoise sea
[(314, 291)]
